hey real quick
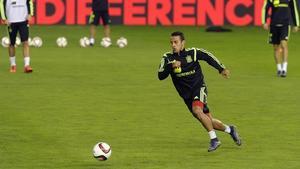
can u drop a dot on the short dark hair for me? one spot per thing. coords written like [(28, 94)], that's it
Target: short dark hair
[(180, 34)]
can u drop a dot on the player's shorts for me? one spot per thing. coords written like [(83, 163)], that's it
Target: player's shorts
[(22, 28), (279, 33), (198, 95), (96, 15)]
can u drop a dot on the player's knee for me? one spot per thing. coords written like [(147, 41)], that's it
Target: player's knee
[(276, 47), (25, 43), (197, 112), (284, 45)]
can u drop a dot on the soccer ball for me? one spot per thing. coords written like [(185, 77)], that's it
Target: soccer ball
[(122, 42), (106, 42), (84, 42), (61, 42), (5, 42), (102, 151), (37, 42)]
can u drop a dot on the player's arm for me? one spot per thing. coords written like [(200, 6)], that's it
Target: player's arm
[(294, 5), (3, 9), (202, 54), (267, 4), (165, 68), (30, 9)]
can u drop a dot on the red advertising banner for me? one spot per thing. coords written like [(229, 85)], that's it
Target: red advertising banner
[(154, 12)]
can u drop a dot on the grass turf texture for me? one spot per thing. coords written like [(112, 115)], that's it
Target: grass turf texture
[(79, 96)]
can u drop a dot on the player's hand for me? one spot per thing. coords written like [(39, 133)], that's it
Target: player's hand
[(266, 26), (225, 73), (295, 29), (29, 18), (4, 21), (176, 64)]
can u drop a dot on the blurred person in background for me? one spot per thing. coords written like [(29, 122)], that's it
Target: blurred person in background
[(17, 14), (282, 11), (99, 10)]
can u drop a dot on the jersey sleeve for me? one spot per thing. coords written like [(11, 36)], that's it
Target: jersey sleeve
[(164, 68), (30, 7), (3, 9), (202, 54), (294, 5), (266, 6)]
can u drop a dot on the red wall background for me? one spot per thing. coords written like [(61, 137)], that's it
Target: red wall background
[(153, 12)]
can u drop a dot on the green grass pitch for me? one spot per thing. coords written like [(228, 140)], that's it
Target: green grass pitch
[(78, 96)]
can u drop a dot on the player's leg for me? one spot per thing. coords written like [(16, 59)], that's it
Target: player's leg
[(106, 21), (92, 34), (284, 46), (285, 31), (219, 125), (198, 114), (274, 39), (198, 103), (107, 31), (24, 34), (94, 22), (197, 110), (12, 32), (277, 53), (277, 57)]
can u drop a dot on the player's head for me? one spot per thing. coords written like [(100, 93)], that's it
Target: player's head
[(177, 41)]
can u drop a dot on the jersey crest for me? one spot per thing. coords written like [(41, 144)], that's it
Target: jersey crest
[(189, 59)]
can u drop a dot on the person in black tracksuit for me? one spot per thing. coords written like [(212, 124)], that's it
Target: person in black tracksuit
[(99, 10), (183, 66), (283, 13)]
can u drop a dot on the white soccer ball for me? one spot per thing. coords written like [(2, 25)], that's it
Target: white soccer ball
[(105, 42), (61, 42), (5, 42), (122, 42), (37, 42), (84, 42), (101, 151)]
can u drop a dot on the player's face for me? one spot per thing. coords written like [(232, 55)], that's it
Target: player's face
[(177, 44)]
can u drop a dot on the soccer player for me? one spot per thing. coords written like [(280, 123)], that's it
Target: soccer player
[(17, 14), (280, 29), (183, 66), (99, 9)]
